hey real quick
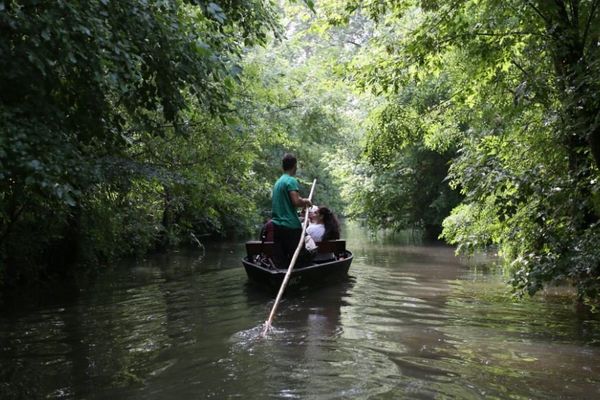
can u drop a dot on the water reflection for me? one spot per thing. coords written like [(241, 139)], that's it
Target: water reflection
[(410, 322)]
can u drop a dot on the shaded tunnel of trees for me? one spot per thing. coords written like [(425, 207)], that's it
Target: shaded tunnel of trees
[(135, 126)]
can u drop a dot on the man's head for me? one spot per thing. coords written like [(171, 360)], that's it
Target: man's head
[(288, 163)]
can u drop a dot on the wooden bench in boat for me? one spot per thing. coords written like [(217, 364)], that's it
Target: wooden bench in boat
[(254, 247)]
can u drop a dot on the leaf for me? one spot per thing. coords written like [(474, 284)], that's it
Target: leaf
[(216, 11)]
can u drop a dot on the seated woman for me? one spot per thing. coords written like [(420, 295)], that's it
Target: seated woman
[(326, 227), (312, 212)]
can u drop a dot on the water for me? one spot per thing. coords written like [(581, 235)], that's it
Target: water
[(411, 322)]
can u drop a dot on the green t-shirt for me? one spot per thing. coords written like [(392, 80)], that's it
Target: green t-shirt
[(283, 212)]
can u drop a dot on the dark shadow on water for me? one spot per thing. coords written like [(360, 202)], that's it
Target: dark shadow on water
[(257, 291)]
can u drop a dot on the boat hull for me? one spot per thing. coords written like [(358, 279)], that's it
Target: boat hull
[(311, 275)]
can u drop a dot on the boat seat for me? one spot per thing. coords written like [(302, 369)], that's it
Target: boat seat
[(254, 247)]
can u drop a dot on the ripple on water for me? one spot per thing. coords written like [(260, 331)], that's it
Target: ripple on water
[(408, 325)]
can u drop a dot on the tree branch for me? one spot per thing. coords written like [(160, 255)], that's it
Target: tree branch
[(562, 11), (289, 106), (516, 64), (490, 34), (588, 23), (538, 12), (515, 33), (13, 219), (575, 13)]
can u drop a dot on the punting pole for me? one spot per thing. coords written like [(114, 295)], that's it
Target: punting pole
[(292, 263)]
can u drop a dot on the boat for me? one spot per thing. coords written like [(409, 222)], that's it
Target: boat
[(260, 268)]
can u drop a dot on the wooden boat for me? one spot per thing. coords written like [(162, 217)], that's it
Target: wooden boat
[(260, 268)]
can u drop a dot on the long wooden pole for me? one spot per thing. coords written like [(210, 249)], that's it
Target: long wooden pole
[(292, 263)]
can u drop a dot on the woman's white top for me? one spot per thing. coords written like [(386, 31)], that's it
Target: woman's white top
[(316, 231)]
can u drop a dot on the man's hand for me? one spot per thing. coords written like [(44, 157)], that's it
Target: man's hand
[(298, 201)]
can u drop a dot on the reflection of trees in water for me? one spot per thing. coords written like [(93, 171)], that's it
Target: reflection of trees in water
[(103, 339), (532, 347), (410, 321), (122, 329), (113, 337), (203, 311), (19, 375), (397, 308), (451, 336)]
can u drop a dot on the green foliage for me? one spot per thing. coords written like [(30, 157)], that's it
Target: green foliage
[(132, 126), (299, 104), (89, 90), (409, 192), (408, 186), (518, 103)]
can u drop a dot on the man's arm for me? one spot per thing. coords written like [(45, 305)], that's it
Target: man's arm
[(298, 201)]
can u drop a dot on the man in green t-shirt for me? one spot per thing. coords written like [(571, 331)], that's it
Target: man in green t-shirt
[(286, 224)]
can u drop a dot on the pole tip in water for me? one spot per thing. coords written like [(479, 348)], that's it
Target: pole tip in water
[(266, 329)]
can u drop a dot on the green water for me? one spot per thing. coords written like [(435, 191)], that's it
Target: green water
[(411, 322)]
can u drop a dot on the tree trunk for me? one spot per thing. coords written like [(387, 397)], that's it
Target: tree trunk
[(580, 109), (594, 139), (167, 219)]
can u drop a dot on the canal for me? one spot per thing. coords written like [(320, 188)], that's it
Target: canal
[(410, 322)]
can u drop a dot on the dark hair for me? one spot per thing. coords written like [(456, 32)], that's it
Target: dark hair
[(288, 162), (332, 226)]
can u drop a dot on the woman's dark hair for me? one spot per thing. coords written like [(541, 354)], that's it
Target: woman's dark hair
[(288, 162), (332, 226)]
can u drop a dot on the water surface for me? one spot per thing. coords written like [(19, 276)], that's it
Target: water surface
[(411, 322)]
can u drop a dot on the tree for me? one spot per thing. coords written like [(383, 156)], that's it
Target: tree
[(295, 100), (521, 110), (84, 83)]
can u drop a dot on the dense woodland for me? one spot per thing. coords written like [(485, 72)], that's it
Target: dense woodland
[(133, 126)]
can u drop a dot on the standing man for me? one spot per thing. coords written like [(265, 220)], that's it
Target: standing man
[(287, 226)]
